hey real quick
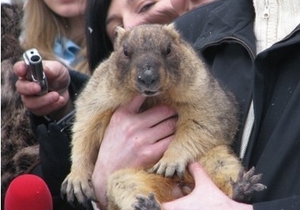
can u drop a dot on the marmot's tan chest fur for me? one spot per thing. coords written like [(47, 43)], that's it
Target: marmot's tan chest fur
[(154, 61)]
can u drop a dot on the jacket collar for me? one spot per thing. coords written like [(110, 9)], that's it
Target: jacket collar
[(224, 20)]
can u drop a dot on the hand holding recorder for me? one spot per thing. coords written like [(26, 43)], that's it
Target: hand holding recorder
[(33, 80)]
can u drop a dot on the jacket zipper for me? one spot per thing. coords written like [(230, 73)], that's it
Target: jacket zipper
[(266, 10)]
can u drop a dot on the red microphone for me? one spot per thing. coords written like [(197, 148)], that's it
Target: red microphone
[(28, 192)]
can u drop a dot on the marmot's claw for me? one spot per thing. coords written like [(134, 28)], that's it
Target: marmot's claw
[(168, 169), (146, 203), (246, 184), (77, 187)]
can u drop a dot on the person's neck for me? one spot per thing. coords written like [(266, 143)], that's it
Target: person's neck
[(75, 28)]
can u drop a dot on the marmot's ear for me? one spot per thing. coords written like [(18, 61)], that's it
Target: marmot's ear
[(171, 30), (170, 26), (119, 33)]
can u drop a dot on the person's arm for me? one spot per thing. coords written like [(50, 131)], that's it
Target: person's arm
[(205, 196), (53, 140), (64, 86), (132, 139)]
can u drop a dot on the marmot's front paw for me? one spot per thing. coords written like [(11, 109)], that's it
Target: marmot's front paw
[(146, 203), (168, 168), (79, 186), (246, 184)]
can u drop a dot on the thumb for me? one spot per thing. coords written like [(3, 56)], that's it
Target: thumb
[(57, 75), (200, 176)]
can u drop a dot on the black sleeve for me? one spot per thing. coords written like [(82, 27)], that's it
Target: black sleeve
[(78, 81), (54, 154), (55, 146), (55, 162), (54, 143)]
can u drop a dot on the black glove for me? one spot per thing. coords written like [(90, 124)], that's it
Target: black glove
[(55, 153)]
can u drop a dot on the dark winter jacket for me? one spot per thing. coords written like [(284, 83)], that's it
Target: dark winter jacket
[(222, 33)]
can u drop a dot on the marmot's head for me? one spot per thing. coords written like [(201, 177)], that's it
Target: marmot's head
[(149, 58)]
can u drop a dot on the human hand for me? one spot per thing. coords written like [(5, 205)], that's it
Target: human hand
[(205, 196), (132, 140), (58, 81)]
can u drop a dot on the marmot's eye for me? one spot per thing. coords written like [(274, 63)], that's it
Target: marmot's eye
[(125, 51), (169, 49)]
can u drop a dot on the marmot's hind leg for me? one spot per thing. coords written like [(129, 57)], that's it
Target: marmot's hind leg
[(132, 189), (225, 169)]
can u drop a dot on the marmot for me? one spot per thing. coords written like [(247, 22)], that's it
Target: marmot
[(155, 61)]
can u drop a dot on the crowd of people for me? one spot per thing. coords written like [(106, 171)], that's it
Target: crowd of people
[(251, 47)]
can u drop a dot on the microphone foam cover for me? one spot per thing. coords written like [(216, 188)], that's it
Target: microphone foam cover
[(28, 192)]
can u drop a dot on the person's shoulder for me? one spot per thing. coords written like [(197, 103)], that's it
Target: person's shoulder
[(191, 23), (216, 20), (202, 11)]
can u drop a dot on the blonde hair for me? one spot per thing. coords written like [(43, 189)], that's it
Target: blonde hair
[(41, 26)]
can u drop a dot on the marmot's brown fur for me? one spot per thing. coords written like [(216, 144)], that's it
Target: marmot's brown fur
[(154, 61)]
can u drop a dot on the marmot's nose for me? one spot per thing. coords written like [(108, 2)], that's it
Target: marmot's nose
[(148, 79)]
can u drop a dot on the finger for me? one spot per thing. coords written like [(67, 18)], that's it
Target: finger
[(135, 104), (162, 130), (20, 69), (27, 88), (54, 70), (43, 105), (155, 115), (38, 102), (51, 108), (153, 153), (57, 75), (161, 146)]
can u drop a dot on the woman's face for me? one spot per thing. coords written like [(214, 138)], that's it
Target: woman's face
[(130, 13), (67, 8)]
